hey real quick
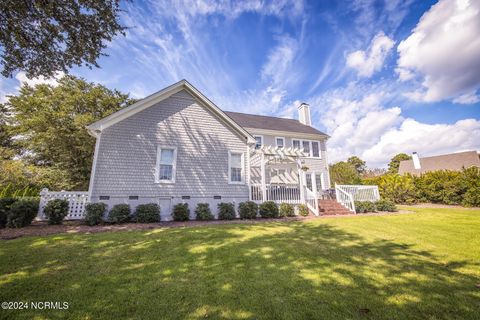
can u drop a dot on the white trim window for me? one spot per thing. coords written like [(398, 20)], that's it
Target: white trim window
[(310, 147), (236, 168), (280, 142), (296, 143), (316, 149), (306, 147), (258, 142), (166, 164)]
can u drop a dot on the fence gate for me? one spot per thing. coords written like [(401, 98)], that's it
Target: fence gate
[(76, 202)]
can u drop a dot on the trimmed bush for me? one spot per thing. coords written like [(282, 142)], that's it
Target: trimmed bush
[(385, 205), (203, 212), (247, 210), (268, 209), (56, 210), (303, 210), (365, 206), (95, 213), (5, 204), (181, 212), (147, 213), (226, 211), (286, 210), (22, 213), (120, 213)]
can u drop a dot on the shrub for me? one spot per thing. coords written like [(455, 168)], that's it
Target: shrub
[(286, 210), (22, 213), (56, 210), (268, 209), (181, 212), (147, 213), (203, 212), (385, 205), (365, 206), (248, 210), (303, 210), (95, 213), (120, 213), (5, 204), (226, 211)]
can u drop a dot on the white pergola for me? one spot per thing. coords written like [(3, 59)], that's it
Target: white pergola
[(280, 155)]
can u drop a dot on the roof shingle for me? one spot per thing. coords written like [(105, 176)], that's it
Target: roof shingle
[(271, 123)]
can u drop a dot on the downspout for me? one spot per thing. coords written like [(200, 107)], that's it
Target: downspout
[(98, 136)]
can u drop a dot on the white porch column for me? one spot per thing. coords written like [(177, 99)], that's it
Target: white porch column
[(300, 181), (264, 184)]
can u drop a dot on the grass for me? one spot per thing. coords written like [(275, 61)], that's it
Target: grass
[(411, 266)]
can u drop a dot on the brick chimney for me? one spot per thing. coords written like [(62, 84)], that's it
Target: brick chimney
[(304, 114)]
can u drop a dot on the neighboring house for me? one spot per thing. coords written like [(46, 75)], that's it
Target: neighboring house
[(177, 146), (453, 161)]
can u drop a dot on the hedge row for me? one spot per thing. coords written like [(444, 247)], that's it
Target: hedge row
[(380, 205), (443, 186)]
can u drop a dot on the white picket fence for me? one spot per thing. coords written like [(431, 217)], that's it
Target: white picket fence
[(76, 202)]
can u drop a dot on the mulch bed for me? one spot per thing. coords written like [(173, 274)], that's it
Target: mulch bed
[(41, 228)]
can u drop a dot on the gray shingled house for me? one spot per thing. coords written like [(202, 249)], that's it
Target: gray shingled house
[(177, 146)]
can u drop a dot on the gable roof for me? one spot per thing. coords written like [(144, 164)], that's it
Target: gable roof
[(163, 94), (453, 161), (271, 123)]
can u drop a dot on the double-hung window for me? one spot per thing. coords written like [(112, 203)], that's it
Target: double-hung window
[(306, 147), (258, 142), (315, 149), (166, 164), (280, 142), (296, 144), (235, 167)]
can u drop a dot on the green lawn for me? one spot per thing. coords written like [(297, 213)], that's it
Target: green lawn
[(408, 266)]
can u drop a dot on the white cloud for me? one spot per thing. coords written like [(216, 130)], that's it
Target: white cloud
[(361, 122), (371, 60), (23, 79), (467, 98), (426, 139), (444, 51)]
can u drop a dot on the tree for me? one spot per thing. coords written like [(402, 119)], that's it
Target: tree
[(395, 162), (358, 164), (50, 122), (44, 37), (344, 173), (6, 140)]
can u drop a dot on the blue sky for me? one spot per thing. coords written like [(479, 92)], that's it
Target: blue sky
[(380, 77)]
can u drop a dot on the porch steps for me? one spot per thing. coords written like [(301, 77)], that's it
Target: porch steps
[(327, 207)]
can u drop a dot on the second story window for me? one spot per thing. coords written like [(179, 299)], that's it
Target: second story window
[(315, 149), (296, 144), (306, 147), (280, 142), (258, 142)]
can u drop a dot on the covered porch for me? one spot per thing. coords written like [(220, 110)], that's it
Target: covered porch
[(277, 174)]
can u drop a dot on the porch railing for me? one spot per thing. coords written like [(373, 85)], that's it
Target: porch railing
[(348, 194), (288, 193), (345, 198), (76, 202), (311, 200), (361, 192)]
